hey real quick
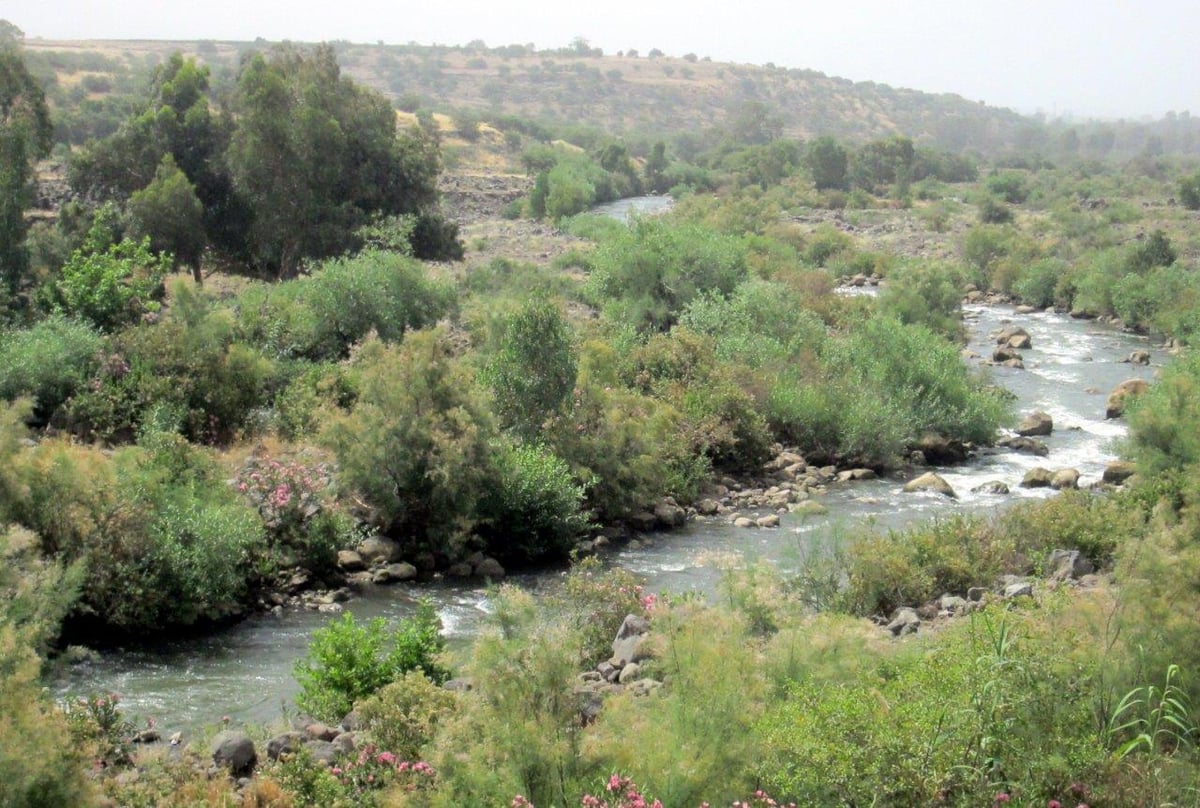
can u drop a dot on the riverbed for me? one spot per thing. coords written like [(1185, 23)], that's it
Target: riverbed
[(245, 672)]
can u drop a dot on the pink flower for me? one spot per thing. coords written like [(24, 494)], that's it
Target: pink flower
[(1002, 798), (1054, 804)]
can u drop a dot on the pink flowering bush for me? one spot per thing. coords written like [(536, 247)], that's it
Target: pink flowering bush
[(623, 792), (293, 502), (373, 770)]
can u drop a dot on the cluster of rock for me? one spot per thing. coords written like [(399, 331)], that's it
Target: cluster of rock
[(1068, 567), (786, 484), (1009, 343), (300, 589), (378, 560), (621, 672), (234, 752)]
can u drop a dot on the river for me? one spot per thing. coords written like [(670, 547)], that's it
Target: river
[(245, 671)]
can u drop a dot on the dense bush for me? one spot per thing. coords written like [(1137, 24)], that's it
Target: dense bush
[(646, 274), (48, 361), (186, 372), (404, 716), (415, 444), (925, 294), (320, 317), (532, 508), (348, 661)]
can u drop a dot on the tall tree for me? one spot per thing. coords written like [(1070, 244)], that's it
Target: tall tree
[(25, 138), (169, 213), (316, 156), (175, 119)]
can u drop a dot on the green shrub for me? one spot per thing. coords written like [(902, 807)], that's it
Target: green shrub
[(320, 317), (48, 362), (111, 284), (648, 273), (415, 445), (993, 211), (188, 372), (348, 661), (993, 704), (40, 765), (533, 508), (403, 717), (1189, 192), (925, 294), (1009, 186), (1037, 282)]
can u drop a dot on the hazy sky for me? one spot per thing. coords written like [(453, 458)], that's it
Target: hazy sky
[(1101, 57)]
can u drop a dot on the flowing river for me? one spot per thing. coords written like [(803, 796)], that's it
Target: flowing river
[(245, 671)]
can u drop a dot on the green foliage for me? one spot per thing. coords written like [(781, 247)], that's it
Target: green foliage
[(111, 285), (1189, 191), (48, 362), (415, 444), (403, 717), (625, 443), (168, 212), (348, 661), (1161, 434), (532, 508), (533, 372), (993, 211), (827, 162), (517, 731), (315, 155), (1009, 186), (648, 273), (925, 294), (25, 138), (1038, 282), (991, 706), (40, 765), (186, 371), (320, 317), (705, 716)]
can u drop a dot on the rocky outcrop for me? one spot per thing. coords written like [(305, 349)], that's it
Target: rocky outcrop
[(1024, 445)]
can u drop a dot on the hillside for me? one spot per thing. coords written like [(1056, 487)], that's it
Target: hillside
[(622, 93)]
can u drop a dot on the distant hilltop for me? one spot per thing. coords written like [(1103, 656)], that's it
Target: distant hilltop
[(655, 95)]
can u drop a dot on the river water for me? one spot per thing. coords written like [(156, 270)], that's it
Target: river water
[(245, 672)]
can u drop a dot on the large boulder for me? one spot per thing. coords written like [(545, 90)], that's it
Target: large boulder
[(489, 568), (1114, 407), (629, 645), (668, 514), (1024, 445), (938, 449), (1118, 471), (234, 751), (991, 487), (930, 481), (379, 550), (1014, 337), (1068, 565), (350, 561), (1137, 358), (1064, 479), (1037, 478), (1036, 424), (285, 744), (1004, 354)]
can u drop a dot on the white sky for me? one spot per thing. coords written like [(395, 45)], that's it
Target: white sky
[(1096, 58)]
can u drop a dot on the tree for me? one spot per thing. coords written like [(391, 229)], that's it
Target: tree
[(415, 446), (315, 156), (1189, 192), (168, 212), (827, 161), (25, 138), (533, 373), (655, 169), (173, 119)]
